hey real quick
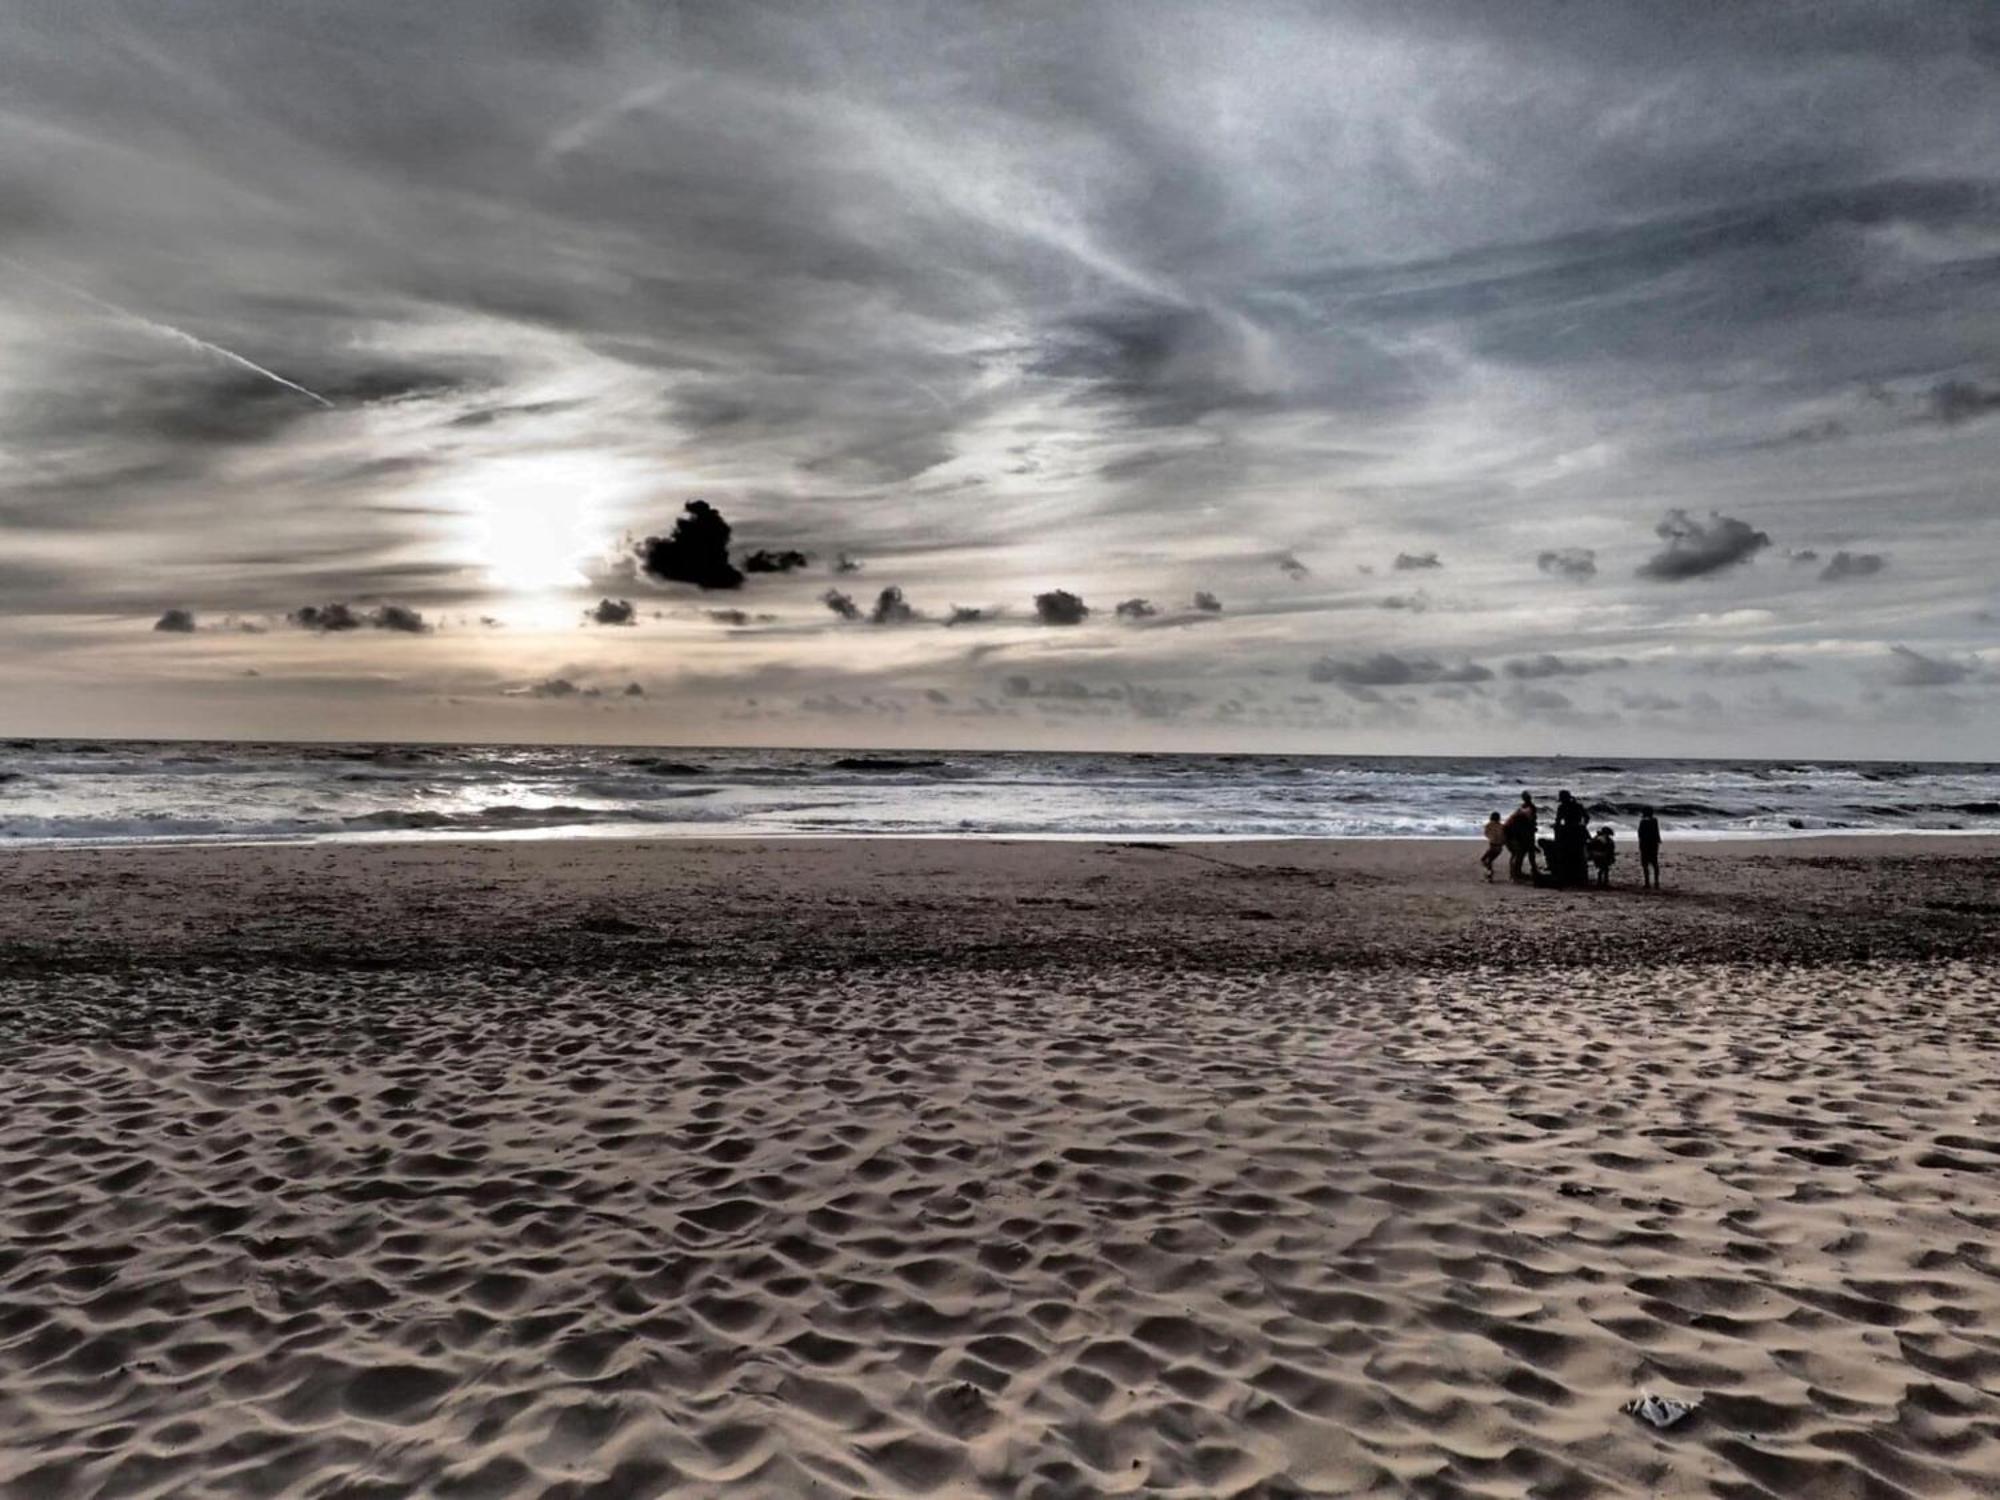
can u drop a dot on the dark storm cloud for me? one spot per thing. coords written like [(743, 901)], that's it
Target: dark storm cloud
[(1955, 401), (841, 604), (548, 687), (1646, 702), (1207, 603), (176, 621), (1387, 669), (339, 617), (612, 612), (1070, 697), (398, 617), (1846, 564), (891, 608), (1060, 607), (1020, 685), (1696, 549), (1162, 364), (1535, 668), (785, 561), (1411, 562), (1913, 669), (180, 406), (696, 551), (1576, 563)]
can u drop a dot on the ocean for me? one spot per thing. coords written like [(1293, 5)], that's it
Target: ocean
[(88, 792)]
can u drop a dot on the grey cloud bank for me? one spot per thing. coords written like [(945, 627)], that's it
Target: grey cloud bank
[(1117, 302)]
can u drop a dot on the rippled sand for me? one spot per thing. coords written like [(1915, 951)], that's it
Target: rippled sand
[(617, 1208)]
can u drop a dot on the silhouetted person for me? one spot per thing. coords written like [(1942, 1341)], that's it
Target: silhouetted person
[(1568, 855), (1649, 847), (1519, 831), (1603, 853), (1496, 840)]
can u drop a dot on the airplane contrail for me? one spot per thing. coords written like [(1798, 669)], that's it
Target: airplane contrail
[(166, 329)]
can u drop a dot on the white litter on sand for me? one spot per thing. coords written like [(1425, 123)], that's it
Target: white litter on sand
[(1661, 1411)]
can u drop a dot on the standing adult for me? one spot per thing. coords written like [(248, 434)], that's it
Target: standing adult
[(1649, 848), (1520, 835), (1570, 858)]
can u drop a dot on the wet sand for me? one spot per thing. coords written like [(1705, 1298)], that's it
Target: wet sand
[(934, 1168)]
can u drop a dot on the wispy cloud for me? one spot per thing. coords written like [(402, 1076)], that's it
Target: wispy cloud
[(454, 309)]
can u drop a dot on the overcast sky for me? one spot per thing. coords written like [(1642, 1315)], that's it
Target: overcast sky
[(1433, 375)]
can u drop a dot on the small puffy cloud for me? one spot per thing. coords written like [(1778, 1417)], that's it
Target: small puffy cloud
[(1136, 609), (337, 617), (696, 551), (1696, 549), (891, 608), (1207, 603), (548, 687), (1574, 563), (1415, 562), (1387, 669), (176, 622), (1913, 669), (397, 617), (738, 618), (326, 617), (965, 614), (1291, 567), (764, 560), (612, 612), (1060, 607), (1852, 565), (841, 604), (634, 690), (1538, 668)]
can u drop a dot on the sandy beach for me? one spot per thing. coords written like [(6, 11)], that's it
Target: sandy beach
[(555, 1170)]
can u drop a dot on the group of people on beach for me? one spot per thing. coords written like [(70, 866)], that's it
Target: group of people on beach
[(1574, 850)]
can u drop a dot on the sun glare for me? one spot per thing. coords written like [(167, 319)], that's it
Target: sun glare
[(533, 521)]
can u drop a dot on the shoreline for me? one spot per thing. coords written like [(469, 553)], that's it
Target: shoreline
[(989, 904), (630, 834)]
